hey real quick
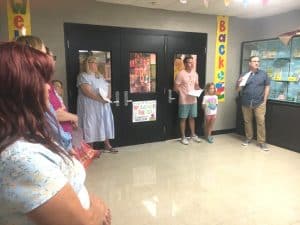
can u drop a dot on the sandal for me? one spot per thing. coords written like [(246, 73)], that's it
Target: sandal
[(97, 153), (111, 150)]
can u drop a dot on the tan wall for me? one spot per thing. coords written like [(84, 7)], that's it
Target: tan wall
[(3, 21), (48, 18), (272, 26)]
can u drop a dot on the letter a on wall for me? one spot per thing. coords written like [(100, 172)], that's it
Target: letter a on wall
[(221, 56), (18, 13)]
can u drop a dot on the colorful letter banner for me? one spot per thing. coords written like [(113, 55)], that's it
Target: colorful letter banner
[(18, 13), (221, 56)]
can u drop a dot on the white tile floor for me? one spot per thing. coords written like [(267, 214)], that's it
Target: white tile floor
[(167, 183)]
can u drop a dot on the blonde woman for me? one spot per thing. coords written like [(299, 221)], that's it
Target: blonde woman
[(94, 111)]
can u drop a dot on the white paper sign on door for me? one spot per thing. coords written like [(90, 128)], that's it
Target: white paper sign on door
[(143, 111)]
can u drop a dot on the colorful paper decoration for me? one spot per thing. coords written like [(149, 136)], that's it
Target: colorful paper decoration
[(18, 14), (265, 2), (226, 2), (221, 56)]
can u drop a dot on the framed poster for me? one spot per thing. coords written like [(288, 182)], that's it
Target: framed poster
[(143, 111), (142, 72)]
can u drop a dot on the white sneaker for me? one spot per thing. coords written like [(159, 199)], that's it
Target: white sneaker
[(246, 142), (184, 141), (264, 146), (196, 139)]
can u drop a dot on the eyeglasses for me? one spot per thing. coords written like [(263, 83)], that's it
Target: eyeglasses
[(57, 86)]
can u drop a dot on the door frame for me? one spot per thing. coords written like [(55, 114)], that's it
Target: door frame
[(111, 44), (167, 82), (133, 40)]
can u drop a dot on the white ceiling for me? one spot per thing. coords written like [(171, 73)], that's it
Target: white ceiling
[(254, 9)]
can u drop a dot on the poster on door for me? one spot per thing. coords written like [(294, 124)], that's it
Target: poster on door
[(144, 111), (142, 72)]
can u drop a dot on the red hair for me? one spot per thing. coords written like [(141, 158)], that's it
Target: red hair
[(24, 71)]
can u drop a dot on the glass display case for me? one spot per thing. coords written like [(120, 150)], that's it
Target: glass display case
[(281, 63)]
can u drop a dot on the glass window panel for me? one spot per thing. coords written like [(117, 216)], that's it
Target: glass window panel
[(293, 94), (142, 72), (282, 64), (179, 65), (295, 60), (278, 90), (103, 59)]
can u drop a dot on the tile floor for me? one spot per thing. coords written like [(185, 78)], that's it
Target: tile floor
[(167, 183)]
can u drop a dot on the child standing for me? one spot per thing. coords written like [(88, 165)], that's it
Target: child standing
[(209, 104)]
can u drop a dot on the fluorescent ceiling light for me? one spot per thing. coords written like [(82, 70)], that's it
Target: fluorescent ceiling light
[(183, 1)]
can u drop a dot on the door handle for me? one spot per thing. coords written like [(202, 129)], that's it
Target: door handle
[(170, 98), (126, 100), (117, 99)]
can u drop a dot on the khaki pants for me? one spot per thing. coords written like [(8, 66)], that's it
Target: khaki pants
[(259, 113)]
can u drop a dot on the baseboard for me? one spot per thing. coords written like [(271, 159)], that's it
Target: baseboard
[(226, 131)]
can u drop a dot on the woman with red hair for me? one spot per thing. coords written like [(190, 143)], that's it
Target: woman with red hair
[(40, 182)]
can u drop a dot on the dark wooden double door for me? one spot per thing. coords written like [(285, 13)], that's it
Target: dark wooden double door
[(141, 72)]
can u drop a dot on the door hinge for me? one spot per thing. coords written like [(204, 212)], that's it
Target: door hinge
[(68, 44), (205, 50), (165, 129)]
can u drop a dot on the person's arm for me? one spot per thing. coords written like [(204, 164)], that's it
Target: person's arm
[(88, 91), (267, 88), (266, 94), (62, 115), (204, 103), (109, 91), (64, 208), (177, 83), (238, 87), (197, 87), (176, 87)]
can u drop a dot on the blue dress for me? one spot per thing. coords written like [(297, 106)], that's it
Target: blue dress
[(95, 118)]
